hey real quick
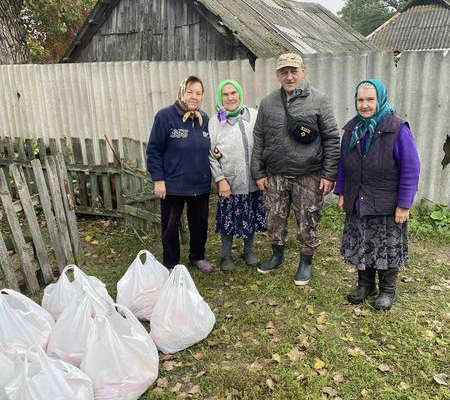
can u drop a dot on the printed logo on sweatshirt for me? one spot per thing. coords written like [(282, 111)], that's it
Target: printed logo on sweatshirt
[(179, 133), (205, 134)]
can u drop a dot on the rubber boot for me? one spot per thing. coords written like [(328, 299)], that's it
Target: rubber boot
[(226, 260), (387, 280), (247, 255), (366, 286), (304, 270), (273, 262)]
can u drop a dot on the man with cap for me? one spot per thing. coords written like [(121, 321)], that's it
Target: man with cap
[(294, 160)]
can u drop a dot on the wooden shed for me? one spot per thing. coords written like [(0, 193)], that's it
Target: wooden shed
[(170, 30)]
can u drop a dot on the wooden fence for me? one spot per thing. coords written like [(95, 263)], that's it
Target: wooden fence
[(26, 253), (105, 180)]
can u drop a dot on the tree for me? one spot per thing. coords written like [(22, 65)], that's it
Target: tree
[(367, 15), (39, 31), (13, 44)]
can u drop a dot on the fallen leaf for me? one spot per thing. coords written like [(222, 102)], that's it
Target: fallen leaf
[(162, 383), (88, 238), (406, 279), (228, 304), (320, 328), (338, 377), (176, 388), (318, 364), (193, 389), (248, 302), (303, 341), (255, 367), (295, 354), (213, 343), (276, 357), (186, 379), (271, 330), (436, 288), (329, 391), (403, 386), (355, 352), (441, 379), (273, 303), (364, 393), (166, 357), (94, 242), (198, 356), (168, 365), (229, 316), (270, 384), (310, 309), (383, 367), (247, 334), (159, 391), (321, 319), (301, 377), (297, 304), (201, 373)]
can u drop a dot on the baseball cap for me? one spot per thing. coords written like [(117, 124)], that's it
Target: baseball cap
[(289, 60)]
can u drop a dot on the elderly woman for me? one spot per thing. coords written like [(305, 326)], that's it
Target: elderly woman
[(178, 162), (240, 209), (377, 180)]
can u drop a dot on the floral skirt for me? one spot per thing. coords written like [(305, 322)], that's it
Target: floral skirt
[(374, 242), (241, 215)]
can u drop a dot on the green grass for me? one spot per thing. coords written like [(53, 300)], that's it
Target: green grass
[(243, 359)]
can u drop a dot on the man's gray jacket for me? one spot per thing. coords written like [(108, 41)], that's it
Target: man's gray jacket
[(275, 152)]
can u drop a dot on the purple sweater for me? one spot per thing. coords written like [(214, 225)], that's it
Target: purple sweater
[(407, 159)]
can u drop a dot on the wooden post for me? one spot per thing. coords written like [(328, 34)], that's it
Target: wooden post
[(6, 267), (46, 204), (81, 177), (106, 185), (117, 178), (39, 245), (69, 207), (96, 202), (58, 207), (18, 238)]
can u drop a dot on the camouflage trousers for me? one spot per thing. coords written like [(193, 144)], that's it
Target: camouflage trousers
[(303, 195)]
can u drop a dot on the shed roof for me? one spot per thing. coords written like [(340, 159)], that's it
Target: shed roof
[(265, 27), (421, 25), (270, 27)]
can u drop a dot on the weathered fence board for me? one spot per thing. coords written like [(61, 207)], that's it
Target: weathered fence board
[(46, 204), (24, 194), (6, 267), (18, 238)]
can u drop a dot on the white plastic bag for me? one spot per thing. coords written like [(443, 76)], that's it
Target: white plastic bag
[(68, 340), (6, 372), (120, 358), (40, 377), (139, 288), (181, 317), (22, 322), (58, 296)]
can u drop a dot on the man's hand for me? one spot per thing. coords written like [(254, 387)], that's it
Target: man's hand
[(401, 215), (262, 183), (224, 189), (326, 186), (160, 189), (341, 202)]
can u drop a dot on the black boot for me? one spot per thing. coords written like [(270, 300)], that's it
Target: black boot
[(226, 260), (387, 281), (304, 271), (366, 286), (273, 262)]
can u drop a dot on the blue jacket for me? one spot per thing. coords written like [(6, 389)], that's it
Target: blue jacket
[(178, 153)]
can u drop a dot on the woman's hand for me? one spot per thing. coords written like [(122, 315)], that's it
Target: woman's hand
[(224, 189), (341, 202), (160, 189), (262, 183), (401, 215)]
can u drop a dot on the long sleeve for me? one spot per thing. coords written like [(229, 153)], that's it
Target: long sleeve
[(407, 159), (216, 169), (340, 180), (156, 148), (330, 140), (257, 164)]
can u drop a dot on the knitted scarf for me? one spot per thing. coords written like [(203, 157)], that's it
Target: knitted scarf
[(369, 124), (182, 104), (222, 113)]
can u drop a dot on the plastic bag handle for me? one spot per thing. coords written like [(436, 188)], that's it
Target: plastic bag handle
[(132, 318), (147, 256)]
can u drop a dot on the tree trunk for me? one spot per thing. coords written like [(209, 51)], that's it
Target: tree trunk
[(13, 45)]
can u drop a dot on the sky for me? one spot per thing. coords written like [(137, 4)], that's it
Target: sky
[(332, 5)]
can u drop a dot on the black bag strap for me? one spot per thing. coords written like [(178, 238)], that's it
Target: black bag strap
[(289, 117)]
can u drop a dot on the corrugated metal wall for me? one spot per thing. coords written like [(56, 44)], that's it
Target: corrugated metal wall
[(119, 99)]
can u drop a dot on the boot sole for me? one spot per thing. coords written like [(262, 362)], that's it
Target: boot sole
[(261, 271), (353, 301), (301, 283)]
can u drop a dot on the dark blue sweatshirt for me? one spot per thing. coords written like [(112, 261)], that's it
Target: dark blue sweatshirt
[(178, 153)]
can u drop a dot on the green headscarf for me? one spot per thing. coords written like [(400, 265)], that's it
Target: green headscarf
[(222, 113), (369, 124)]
